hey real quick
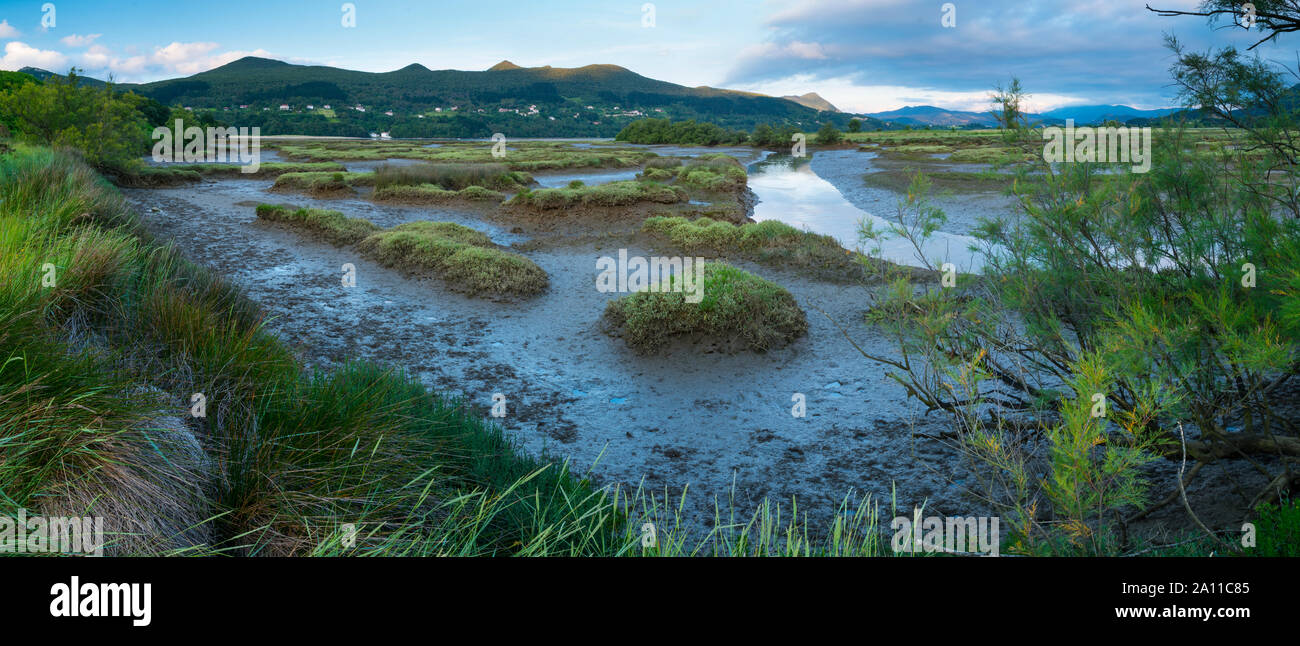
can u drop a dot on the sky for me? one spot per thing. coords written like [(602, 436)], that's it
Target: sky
[(861, 55)]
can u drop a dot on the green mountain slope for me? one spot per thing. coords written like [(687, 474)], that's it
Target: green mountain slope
[(594, 100)]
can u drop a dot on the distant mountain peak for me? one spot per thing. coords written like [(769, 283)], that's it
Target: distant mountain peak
[(252, 62), (812, 100), (414, 67), (503, 66)]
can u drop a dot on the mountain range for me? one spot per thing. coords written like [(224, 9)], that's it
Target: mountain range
[(594, 100), (812, 100), (417, 101), (928, 115)]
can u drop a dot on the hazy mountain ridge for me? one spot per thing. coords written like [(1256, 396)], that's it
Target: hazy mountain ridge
[(812, 100), (928, 115)]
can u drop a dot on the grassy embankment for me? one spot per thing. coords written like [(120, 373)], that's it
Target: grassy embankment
[(442, 183), (180, 174), (465, 259), (527, 156)]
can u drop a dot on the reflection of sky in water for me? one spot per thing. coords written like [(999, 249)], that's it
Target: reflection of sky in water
[(794, 194), (589, 178)]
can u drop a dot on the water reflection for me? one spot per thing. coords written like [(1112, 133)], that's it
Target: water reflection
[(791, 192)]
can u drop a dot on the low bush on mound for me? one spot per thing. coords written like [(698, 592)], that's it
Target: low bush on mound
[(716, 173), (322, 183), (737, 309)]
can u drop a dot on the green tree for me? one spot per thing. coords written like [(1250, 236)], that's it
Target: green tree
[(829, 135), (1008, 105), (104, 125), (855, 125)]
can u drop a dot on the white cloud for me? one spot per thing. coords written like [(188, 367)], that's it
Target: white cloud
[(7, 30), (19, 55), (79, 41), (172, 60), (191, 58), (793, 49), (846, 95)]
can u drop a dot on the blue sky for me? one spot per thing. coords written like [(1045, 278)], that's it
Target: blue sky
[(862, 55)]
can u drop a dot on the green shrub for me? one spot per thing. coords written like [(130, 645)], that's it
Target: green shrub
[(1277, 529), (713, 173)]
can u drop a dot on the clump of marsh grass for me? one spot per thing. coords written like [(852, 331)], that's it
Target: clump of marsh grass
[(433, 194), (452, 177), (465, 259), (613, 194), (737, 308), (331, 226), (770, 242)]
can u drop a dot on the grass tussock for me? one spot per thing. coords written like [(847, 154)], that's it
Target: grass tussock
[(434, 194), (770, 242), (452, 177), (715, 173), (465, 259), (331, 226), (625, 193), (738, 309), (322, 184), (526, 156)]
